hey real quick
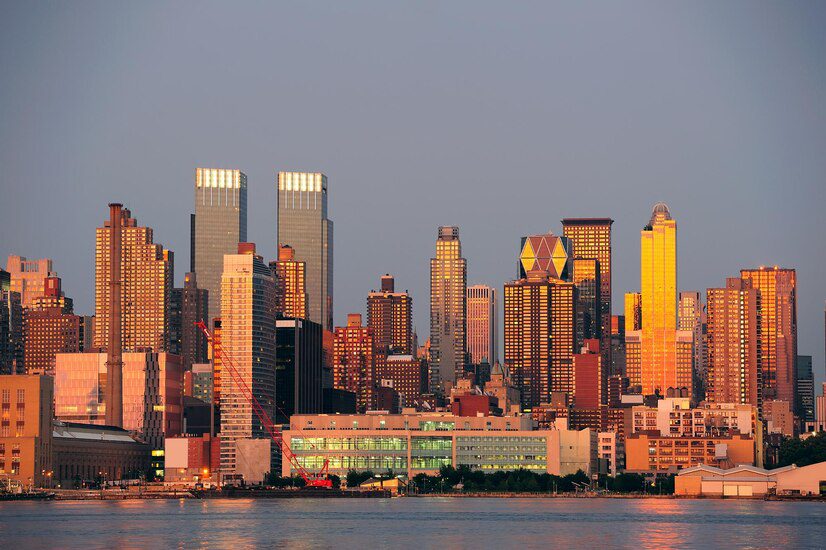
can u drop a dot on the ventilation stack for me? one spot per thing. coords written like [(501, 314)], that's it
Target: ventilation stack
[(114, 356)]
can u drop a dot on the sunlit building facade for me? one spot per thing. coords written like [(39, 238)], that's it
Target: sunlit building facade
[(218, 225), (482, 323), (50, 327), (390, 317), (28, 277), (303, 224), (733, 345), (691, 316), (633, 311), (354, 361), (539, 336), (777, 315), (448, 310), (26, 430), (291, 284), (586, 276), (146, 287)]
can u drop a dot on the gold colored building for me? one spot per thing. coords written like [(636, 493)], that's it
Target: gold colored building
[(777, 313), (390, 316), (448, 310), (633, 311), (732, 344), (539, 336), (26, 429), (662, 364), (481, 325), (28, 277), (146, 288), (354, 362), (291, 281)]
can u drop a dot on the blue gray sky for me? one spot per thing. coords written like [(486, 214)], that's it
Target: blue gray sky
[(501, 118)]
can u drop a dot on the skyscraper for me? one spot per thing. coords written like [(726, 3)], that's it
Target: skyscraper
[(586, 276), (247, 342), (633, 311), (482, 343), (303, 224), (28, 277), (189, 305), (12, 354), (390, 316), (448, 310), (354, 362), (733, 347), (592, 239), (691, 316), (539, 336), (806, 388), (220, 223), (298, 368), (547, 252), (658, 277), (290, 279), (145, 287), (778, 330)]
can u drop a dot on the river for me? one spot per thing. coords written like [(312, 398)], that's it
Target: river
[(418, 523)]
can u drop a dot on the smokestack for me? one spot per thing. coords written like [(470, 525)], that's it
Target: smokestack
[(114, 357)]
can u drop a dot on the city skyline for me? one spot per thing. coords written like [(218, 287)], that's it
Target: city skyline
[(722, 135)]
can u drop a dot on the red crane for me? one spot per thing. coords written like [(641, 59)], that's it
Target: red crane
[(319, 479)]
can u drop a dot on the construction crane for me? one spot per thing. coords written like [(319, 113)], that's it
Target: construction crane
[(317, 480)]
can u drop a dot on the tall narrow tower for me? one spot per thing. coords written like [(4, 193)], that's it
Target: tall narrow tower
[(303, 225), (448, 310), (114, 357)]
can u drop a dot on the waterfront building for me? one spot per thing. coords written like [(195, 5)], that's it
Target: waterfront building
[(674, 417), (612, 450), (192, 459), (248, 343), (733, 346), (749, 481), (303, 224), (390, 317), (653, 452), (189, 305), (50, 327), (152, 391), (777, 317), (539, 336), (481, 325), (448, 311), (298, 368), (354, 361), (28, 277), (145, 286), (806, 388), (291, 282), (26, 429), (592, 240), (218, 225), (411, 443), (12, 352)]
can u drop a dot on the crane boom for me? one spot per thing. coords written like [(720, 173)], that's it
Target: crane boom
[(319, 479)]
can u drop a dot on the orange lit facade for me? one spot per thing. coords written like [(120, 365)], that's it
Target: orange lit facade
[(777, 314), (390, 317), (49, 327), (539, 336), (448, 311), (403, 373), (481, 324), (353, 361), (26, 412), (146, 288), (652, 452), (291, 279), (733, 347), (28, 277), (633, 311)]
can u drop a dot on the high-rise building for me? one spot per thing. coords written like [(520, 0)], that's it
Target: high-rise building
[(12, 353), (303, 224), (50, 327), (390, 316), (733, 347), (539, 336), (448, 310), (778, 330), (590, 389), (403, 373), (5, 280), (691, 316), (633, 311), (547, 252), (188, 306), (145, 287), (354, 362), (586, 277), (482, 343), (291, 282), (658, 278), (28, 277), (806, 388), (218, 225), (248, 343), (592, 239), (298, 368), (618, 345), (26, 434)]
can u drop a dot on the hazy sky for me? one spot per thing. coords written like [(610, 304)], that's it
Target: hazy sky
[(500, 118)]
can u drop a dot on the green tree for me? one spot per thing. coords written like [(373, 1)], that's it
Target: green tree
[(803, 452)]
